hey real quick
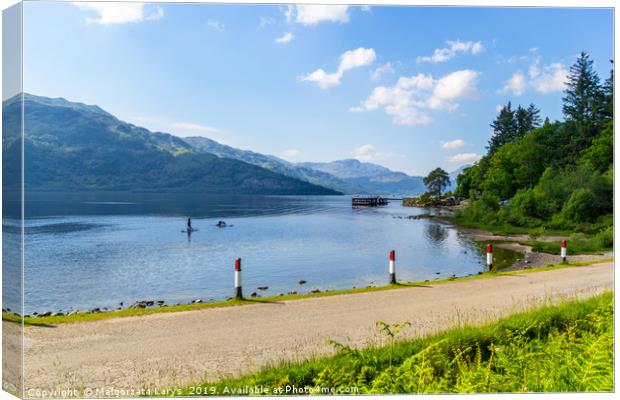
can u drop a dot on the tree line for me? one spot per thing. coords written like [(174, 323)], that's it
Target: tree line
[(548, 175)]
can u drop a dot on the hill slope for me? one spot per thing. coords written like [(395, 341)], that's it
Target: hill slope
[(72, 146), (374, 178), (274, 164)]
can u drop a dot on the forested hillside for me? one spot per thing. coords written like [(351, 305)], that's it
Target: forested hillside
[(71, 146), (546, 176)]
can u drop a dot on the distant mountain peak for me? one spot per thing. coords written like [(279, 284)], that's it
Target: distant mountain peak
[(375, 178), (62, 102), (351, 168)]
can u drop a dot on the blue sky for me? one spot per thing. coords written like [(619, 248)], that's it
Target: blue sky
[(410, 88)]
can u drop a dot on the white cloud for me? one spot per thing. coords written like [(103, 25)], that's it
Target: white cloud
[(291, 153), (356, 58), (190, 126), (287, 37), (348, 60), (516, 84), (546, 79), (366, 8), (453, 48), (453, 144), (464, 158), (120, 13), (216, 25), (264, 21), (552, 78), (514, 59), (477, 48), (323, 79), (365, 152), (368, 152), (314, 14), (453, 86), (498, 108), (381, 70), (404, 100)]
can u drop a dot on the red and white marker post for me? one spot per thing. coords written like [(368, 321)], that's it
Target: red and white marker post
[(238, 293), (489, 256), (392, 267), (563, 251)]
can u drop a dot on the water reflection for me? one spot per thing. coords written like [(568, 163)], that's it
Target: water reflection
[(96, 250), (436, 233)]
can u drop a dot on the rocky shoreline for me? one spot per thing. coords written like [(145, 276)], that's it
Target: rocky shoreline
[(144, 304)]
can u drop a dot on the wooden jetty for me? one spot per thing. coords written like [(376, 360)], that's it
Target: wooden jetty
[(368, 201)]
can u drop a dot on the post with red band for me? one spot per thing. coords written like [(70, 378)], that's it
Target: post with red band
[(563, 251), (392, 267), (489, 256), (238, 293)]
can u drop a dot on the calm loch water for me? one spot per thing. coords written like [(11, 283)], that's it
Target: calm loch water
[(99, 249)]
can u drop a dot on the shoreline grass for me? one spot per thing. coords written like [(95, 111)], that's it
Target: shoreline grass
[(502, 229), (132, 312), (566, 347), (574, 247)]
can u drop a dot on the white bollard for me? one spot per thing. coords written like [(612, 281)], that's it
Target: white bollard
[(392, 267), (489, 256), (563, 251), (238, 293)]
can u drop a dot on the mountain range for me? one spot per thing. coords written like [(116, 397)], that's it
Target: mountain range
[(74, 146), (273, 164), (372, 177)]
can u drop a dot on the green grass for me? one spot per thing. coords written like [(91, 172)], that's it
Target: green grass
[(562, 348), (578, 244), (505, 229), (575, 247), (500, 230)]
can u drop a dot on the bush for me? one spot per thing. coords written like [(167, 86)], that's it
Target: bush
[(581, 206), (605, 238)]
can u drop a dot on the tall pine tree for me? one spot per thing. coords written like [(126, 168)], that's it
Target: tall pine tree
[(527, 119), (582, 100), (504, 128), (608, 95), (534, 114), (513, 124)]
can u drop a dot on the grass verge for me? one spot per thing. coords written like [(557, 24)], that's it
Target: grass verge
[(562, 348), (578, 246), (132, 312)]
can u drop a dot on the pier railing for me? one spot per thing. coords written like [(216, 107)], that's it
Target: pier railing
[(368, 201)]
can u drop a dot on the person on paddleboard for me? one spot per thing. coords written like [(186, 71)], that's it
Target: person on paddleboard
[(189, 225)]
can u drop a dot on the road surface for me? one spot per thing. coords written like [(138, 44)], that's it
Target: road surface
[(176, 349)]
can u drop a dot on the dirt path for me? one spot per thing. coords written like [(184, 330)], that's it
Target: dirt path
[(167, 350)]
